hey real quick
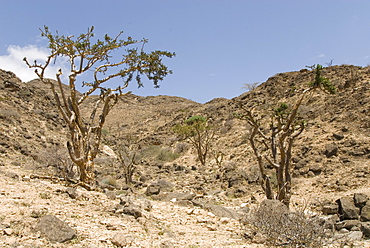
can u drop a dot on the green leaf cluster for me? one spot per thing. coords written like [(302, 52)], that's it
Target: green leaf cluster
[(192, 126), (321, 82)]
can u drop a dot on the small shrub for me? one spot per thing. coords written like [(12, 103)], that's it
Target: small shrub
[(282, 227), (160, 154), (58, 159), (110, 181)]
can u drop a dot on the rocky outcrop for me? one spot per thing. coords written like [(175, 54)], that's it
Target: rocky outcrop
[(353, 212)]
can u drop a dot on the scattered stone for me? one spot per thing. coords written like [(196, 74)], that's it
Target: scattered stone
[(8, 231), (349, 224), (146, 205), (212, 228), (120, 240), (365, 212), (111, 194), (72, 192), (54, 229), (354, 236), (331, 150), (347, 208), (169, 196), (132, 210), (124, 200), (152, 189), (365, 228), (331, 208), (360, 199), (259, 238), (221, 211), (338, 136), (224, 220)]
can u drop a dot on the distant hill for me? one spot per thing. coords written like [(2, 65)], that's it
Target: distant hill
[(30, 124)]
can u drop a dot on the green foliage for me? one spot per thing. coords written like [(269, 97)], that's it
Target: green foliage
[(195, 120), (94, 56), (200, 134), (321, 82), (192, 126), (281, 110)]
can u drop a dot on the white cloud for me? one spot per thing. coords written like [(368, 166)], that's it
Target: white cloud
[(321, 55), (13, 61)]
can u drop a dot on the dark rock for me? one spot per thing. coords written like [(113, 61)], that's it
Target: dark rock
[(347, 208), (365, 212), (360, 199), (331, 150), (152, 189), (124, 200), (132, 210), (349, 224), (365, 228), (54, 229), (237, 192), (338, 136), (165, 185), (301, 163), (331, 208), (177, 167), (72, 192)]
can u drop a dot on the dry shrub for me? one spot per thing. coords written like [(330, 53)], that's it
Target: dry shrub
[(282, 227), (58, 159)]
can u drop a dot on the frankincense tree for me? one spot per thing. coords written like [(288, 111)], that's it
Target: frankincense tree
[(272, 140), (87, 55)]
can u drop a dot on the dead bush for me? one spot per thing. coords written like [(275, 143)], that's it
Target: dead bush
[(281, 227), (58, 159)]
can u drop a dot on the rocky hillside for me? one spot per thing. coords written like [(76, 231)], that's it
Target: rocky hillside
[(331, 160)]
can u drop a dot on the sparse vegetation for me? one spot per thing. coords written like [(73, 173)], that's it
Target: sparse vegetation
[(199, 132), (84, 54), (281, 227), (272, 140)]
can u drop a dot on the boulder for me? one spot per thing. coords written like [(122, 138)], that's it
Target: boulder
[(365, 212), (331, 150), (347, 208), (120, 240), (331, 208), (54, 229), (152, 189), (360, 199), (365, 228)]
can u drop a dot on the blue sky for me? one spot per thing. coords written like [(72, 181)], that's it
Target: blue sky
[(220, 45)]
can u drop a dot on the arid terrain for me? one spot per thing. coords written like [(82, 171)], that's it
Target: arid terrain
[(174, 201)]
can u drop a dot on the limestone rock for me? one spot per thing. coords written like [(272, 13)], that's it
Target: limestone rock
[(120, 240), (152, 189), (54, 229), (347, 208), (365, 212), (360, 199), (331, 208), (365, 228)]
